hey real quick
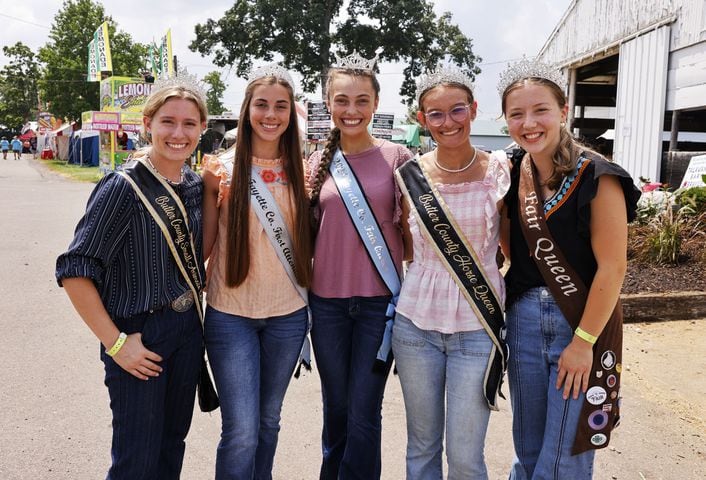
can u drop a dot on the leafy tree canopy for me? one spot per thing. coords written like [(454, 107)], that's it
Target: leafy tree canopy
[(18, 85), (214, 93), (306, 36), (65, 56)]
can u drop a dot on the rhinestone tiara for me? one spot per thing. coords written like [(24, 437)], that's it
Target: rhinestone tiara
[(183, 79), (355, 61), (271, 70), (447, 74), (530, 68)]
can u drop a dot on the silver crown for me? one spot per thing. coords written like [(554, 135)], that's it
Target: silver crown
[(530, 68), (448, 74), (271, 70), (181, 78), (355, 61)]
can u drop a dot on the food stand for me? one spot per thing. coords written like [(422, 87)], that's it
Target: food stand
[(121, 101)]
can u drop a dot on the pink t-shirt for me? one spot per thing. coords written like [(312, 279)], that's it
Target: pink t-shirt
[(342, 267), (430, 298)]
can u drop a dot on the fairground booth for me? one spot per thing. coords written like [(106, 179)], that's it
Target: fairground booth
[(119, 120)]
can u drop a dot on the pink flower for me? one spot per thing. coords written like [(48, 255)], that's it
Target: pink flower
[(651, 187), (268, 176)]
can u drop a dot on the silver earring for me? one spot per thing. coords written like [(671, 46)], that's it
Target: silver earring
[(563, 124)]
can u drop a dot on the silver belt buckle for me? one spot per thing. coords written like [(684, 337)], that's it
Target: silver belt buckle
[(184, 302)]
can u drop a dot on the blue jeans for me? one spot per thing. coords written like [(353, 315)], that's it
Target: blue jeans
[(252, 362), (346, 334), (442, 384), (151, 418), (543, 423)]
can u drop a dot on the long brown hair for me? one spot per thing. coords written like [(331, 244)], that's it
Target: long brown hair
[(334, 139), (567, 152), (238, 250)]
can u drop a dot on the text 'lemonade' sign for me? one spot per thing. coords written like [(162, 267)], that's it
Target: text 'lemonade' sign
[(694, 172), (318, 121), (382, 125)]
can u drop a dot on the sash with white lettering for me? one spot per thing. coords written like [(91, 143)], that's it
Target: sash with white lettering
[(265, 207), (601, 408), (456, 254), (371, 235), (167, 210)]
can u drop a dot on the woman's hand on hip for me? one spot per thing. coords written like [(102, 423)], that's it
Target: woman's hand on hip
[(575, 368), (135, 359)]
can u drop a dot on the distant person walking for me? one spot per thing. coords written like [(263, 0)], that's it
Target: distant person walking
[(16, 147), (4, 146)]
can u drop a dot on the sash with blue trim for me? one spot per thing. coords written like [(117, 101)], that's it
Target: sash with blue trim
[(371, 235), (600, 412), (437, 224), (265, 207)]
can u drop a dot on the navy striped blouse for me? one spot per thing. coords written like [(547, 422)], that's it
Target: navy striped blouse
[(119, 246)]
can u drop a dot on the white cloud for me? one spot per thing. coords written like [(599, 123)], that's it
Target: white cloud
[(500, 30)]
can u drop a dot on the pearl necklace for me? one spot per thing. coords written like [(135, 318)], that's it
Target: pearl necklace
[(169, 181), (458, 170)]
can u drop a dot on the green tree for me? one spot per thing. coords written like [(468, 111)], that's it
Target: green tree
[(306, 37), (65, 56), (18, 85), (214, 93)]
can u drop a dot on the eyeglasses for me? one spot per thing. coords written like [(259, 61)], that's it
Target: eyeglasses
[(436, 118)]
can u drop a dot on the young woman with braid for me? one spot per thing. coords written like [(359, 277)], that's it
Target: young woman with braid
[(348, 298)]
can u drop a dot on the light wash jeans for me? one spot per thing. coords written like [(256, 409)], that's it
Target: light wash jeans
[(252, 362), (543, 423), (435, 368)]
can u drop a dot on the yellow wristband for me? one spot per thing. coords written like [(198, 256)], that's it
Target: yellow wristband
[(118, 345), (584, 335)]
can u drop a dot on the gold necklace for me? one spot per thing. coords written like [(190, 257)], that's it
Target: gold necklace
[(169, 181)]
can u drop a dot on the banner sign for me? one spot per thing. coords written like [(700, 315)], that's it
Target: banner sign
[(694, 172), (318, 121), (161, 58), (124, 94), (382, 125), (99, 58)]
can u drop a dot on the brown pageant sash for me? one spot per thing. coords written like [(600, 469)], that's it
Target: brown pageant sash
[(601, 408)]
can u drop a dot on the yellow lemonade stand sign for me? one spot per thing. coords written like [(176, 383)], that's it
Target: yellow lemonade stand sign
[(121, 102)]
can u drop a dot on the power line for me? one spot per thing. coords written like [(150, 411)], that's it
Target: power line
[(24, 21)]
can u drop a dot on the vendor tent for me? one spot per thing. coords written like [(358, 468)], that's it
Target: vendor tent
[(83, 148), (407, 135)]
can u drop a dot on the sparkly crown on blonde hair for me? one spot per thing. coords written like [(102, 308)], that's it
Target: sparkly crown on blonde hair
[(355, 61), (271, 70), (447, 74), (180, 79), (530, 68)]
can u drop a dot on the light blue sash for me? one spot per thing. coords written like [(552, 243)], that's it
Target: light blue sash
[(265, 207), (371, 235)]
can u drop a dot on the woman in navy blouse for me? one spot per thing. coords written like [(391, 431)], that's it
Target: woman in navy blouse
[(125, 284)]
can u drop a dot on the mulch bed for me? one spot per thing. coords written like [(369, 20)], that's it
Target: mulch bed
[(688, 276)]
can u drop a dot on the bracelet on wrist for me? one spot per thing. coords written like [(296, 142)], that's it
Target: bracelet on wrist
[(584, 335), (117, 345)]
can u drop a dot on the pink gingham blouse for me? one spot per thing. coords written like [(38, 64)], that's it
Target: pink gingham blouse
[(430, 298)]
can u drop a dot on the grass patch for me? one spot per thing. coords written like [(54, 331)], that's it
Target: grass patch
[(74, 172)]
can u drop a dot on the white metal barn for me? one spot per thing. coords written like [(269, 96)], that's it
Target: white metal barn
[(637, 77)]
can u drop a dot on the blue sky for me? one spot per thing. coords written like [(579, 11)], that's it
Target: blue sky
[(501, 31)]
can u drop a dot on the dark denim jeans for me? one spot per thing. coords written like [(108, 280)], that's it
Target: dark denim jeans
[(151, 418), (346, 334), (252, 361)]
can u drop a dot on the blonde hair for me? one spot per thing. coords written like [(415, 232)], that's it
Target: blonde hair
[(566, 155)]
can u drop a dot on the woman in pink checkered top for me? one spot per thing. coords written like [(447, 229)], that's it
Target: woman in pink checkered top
[(440, 344)]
